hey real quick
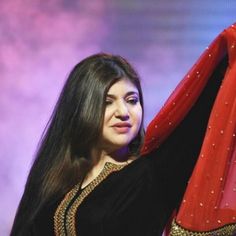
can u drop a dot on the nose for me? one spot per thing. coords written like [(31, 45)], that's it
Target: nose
[(122, 111)]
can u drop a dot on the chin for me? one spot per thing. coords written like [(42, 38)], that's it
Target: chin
[(117, 142), (121, 144)]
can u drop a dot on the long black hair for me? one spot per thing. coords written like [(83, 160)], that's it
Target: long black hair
[(73, 129)]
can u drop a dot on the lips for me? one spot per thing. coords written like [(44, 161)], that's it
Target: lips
[(122, 124), (122, 127)]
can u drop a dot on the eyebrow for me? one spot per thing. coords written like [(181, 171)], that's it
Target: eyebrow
[(126, 95)]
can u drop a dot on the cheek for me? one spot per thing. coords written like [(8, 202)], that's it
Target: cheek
[(107, 115), (138, 116)]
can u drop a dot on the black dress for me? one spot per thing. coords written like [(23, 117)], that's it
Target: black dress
[(122, 200)]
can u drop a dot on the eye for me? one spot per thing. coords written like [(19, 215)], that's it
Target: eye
[(108, 102), (133, 100)]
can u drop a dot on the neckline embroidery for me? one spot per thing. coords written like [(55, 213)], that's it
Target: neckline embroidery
[(65, 215), (107, 165)]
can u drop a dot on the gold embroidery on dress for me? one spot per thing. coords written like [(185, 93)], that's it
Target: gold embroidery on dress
[(64, 224), (59, 216), (227, 230)]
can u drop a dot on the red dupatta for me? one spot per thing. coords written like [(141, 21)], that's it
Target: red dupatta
[(209, 203)]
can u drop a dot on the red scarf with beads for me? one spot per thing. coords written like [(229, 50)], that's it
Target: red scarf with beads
[(209, 202)]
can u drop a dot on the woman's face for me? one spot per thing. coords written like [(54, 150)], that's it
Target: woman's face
[(123, 115)]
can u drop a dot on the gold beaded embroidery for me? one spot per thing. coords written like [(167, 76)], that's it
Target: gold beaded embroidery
[(59, 216), (227, 230), (64, 224)]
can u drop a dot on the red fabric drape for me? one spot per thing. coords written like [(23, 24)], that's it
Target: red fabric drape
[(209, 202)]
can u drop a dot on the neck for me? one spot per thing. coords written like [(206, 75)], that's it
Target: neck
[(101, 156)]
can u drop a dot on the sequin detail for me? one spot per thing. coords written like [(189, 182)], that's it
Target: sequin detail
[(65, 215), (227, 230)]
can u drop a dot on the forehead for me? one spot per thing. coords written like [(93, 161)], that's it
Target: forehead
[(123, 86)]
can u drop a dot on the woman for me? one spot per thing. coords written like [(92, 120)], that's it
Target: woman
[(89, 177), (95, 128)]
